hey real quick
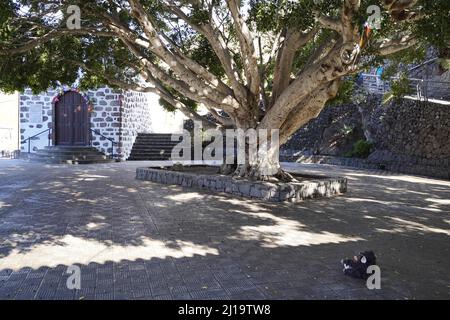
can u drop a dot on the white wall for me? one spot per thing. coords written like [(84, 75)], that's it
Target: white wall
[(9, 122), (161, 120)]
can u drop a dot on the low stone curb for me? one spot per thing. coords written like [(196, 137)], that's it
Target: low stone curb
[(274, 192)]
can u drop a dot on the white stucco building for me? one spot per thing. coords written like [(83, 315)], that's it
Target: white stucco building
[(9, 122)]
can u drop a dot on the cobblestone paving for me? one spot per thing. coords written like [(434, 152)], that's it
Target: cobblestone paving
[(141, 240)]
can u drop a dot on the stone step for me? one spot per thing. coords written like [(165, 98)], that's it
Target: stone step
[(71, 161), (152, 151), (62, 161), (154, 134), (169, 139), (163, 142), (155, 144), (149, 147), (70, 148), (155, 139), (73, 156), (70, 155), (148, 158), (158, 136), (89, 161), (152, 146)]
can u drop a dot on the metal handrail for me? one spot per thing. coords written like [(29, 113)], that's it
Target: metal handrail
[(423, 80), (422, 64), (368, 75), (113, 143), (34, 136), (418, 85)]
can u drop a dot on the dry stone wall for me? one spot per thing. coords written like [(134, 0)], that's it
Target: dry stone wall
[(412, 128), (408, 136)]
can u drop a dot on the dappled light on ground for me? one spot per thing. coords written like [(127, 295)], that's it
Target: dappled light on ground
[(439, 201), (279, 231), (285, 232), (69, 250), (189, 243), (4, 205), (405, 178), (187, 196), (401, 226)]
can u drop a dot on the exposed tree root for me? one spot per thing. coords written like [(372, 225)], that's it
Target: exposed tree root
[(285, 176), (254, 172), (227, 169)]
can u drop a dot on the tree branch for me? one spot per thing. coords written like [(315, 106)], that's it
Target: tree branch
[(330, 68), (52, 34), (157, 89), (349, 30), (294, 40), (192, 79), (247, 48), (168, 80), (390, 46), (329, 23), (211, 33), (225, 121), (307, 109)]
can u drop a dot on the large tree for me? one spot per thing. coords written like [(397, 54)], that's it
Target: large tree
[(261, 64)]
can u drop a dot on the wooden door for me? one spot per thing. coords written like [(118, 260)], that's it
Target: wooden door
[(71, 120)]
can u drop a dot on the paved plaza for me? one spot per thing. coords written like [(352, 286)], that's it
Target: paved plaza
[(141, 240)]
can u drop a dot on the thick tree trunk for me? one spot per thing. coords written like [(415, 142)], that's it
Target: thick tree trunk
[(263, 170), (260, 163)]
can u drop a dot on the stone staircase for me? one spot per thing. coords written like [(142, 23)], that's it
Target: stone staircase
[(70, 155), (152, 146)]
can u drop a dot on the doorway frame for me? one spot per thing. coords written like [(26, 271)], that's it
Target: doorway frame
[(53, 123)]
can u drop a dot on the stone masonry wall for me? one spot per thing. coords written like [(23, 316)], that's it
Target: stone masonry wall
[(412, 128), (105, 117), (119, 115), (136, 118), (326, 134), (407, 135), (29, 107)]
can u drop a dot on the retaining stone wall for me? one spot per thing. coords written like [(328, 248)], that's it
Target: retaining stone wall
[(419, 168), (412, 128), (408, 136)]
